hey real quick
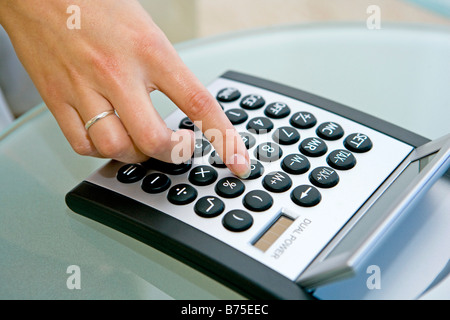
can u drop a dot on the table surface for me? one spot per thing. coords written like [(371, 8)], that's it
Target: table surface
[(400, 73)]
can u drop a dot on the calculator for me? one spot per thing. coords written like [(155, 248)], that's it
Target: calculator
[(326, 182)]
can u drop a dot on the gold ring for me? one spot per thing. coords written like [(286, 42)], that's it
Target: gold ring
[(98, 117)]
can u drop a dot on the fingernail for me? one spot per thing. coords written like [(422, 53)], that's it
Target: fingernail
[(240, 166)]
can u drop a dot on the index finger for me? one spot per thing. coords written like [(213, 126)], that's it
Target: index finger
[(189, 94)]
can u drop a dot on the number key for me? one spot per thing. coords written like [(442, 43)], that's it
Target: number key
[(303, 120), (268, 152), (260, 125), (286, 135)]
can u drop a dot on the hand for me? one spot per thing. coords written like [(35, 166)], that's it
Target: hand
[(116, 58)]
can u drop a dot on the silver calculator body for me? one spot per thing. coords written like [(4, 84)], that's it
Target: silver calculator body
[(329, 181)]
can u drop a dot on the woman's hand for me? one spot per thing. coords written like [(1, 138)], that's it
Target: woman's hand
[(112, 62)]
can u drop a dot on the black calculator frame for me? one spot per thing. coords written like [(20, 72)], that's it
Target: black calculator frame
[(216, 259)]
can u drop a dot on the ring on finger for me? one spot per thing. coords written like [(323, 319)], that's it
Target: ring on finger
[(99, 117)]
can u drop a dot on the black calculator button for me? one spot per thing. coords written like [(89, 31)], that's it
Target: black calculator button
[(260, 125), (277, 110), (248, 139), (230, 187), (313, 147), (155, 183), (303, 120), (324, 177), (168, 168), (209, 207), (268, 152), (236, 116), (215, 160), (202, 175), (286, 135), (201, 148), (277, 181), (237, 220), (252, 102), (306, 196), (330, 131), (130, 173), (228, 95), (182, 194), (257, 200), (358, 142), (177, 169), (257, 170), (186, 123), (295, 164), (341, 159)]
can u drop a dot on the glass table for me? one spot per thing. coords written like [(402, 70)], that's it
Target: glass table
[(400, 73)]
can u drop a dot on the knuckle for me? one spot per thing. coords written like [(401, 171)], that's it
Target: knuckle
[(108, 66), (112, 148), (147, 42), (83, 148), (52, 91), (153, 142), (199, 104)]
